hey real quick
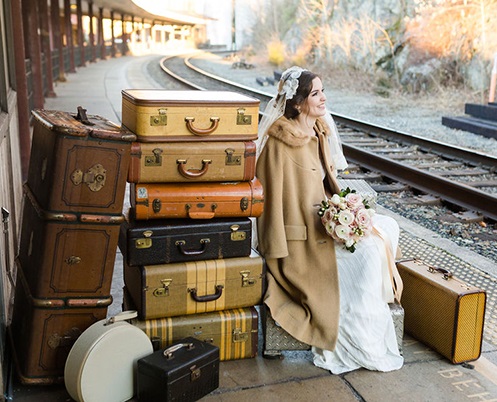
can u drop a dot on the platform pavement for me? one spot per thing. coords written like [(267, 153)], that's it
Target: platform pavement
[(425, 376)]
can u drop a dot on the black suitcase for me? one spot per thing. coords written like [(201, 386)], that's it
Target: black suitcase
[(186, 371), (181, 240)]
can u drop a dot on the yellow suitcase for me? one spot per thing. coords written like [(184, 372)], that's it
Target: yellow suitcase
[(157, 115), (442, 311)]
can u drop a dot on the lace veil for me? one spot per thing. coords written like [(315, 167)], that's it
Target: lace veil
[(287, 88)]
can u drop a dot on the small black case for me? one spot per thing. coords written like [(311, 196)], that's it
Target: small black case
[(186, 371)]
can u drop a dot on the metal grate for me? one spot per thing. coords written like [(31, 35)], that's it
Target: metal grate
[(413, 247)]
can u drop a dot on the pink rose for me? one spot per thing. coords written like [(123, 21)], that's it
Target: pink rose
[(354, 200)]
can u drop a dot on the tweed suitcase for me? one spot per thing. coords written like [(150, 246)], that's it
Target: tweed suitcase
[(43, 331), (186, 371), (233, 331), (156, 115), (168, 290), (79, 163), (67, 254), (192, 161), (442, 311), (276, 339), (197, 200), (177, 240)]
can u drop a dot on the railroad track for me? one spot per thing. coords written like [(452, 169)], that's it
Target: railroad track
[(459, 177)]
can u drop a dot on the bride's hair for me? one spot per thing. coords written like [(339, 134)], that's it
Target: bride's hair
[(303, 91)]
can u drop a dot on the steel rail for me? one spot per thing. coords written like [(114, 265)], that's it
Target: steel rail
[(459, 194)]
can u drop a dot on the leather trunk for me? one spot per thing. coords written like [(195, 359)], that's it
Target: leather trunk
[(79, 163), (178, 240), (186, 371), (192, 161), (197, 200), (43, 331), (169, 290), (442, 311), (156, 115), (66, 254)]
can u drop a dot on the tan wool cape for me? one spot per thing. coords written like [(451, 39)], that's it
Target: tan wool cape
[(302, 287)]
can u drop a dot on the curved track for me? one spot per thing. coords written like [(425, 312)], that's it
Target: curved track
[(455, 175)]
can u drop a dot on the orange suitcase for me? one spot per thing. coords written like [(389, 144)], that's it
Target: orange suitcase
[(197, 200)]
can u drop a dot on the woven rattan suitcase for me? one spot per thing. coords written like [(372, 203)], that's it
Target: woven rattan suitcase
[(192, 161), (67, 254), (156, 115), (197, 200), (442, 311), (178, 240), (79, 163), (168, 290)]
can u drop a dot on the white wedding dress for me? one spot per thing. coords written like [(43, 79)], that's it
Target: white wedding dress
[(366, 335)]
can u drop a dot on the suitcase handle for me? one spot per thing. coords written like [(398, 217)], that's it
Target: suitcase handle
[(168, 353), (207, 298), (181, 243), (445, 272), (193, 173), (201, 131)]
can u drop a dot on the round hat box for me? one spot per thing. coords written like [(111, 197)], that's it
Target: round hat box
[(101, 364)]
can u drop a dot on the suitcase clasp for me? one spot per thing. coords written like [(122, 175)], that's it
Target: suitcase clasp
[(156, 159), (159, 119), (143, 243), (94, 177), (164, 290), (244, 203), (242, 119), (195, 373), (236, 235), (156, 205), (239, 336), (246, 281), (231, 160)]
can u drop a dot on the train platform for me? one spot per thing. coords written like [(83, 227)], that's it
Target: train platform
[(425, 376)]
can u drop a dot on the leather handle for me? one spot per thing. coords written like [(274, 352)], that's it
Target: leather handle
[(201, 131), (181, 243), (207, 298), (201, 215), (193, 173), (445, 272)]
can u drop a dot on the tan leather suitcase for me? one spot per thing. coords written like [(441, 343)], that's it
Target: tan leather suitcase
[(79, 162), (442, 311), (43, 331), (234, 332), (197, 200), (192, 161), (157, 115), (67, 254), (193, 287)]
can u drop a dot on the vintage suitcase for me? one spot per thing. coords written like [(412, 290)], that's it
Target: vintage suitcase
[(156, 115), (96, 368), (234, 331), (185, 371), (43, 331), (79, 163), (442, 311), (192, 162), (177, 240), (197, 200), (168, 290), (66, 254), (276, 339)]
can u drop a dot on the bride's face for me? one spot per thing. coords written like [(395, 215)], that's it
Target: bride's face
[(315, 104)]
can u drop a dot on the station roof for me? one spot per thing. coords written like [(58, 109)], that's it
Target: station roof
[(129, 9)]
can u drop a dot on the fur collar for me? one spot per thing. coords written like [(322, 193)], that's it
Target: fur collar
[(285, 131)]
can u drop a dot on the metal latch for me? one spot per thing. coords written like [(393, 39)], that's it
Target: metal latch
[(195, 373), (246, 281), (164, 290), (242, 119), (244, 203), (55, 340), (156, 159), (159, 119), (94, 177), (72, 260), (156, 205), (239, 336), (236, 235), (231, 160), (143, 243)]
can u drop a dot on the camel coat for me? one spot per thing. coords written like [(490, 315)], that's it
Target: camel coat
[(302, 289)]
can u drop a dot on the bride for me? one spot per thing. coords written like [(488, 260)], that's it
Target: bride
[(318, 291)]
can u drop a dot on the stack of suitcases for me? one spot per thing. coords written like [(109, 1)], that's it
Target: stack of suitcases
[(72, 212), (189, 268)]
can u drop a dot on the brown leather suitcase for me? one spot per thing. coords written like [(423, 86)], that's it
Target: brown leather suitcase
[(168, 290), (43, 331), (67, 254), (192, 161), (157, 115), (186, 371), (197, 200), (442, 311), (79, 163), (164, 241)]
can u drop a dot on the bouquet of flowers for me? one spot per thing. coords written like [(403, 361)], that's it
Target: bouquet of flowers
[(347, 217)]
